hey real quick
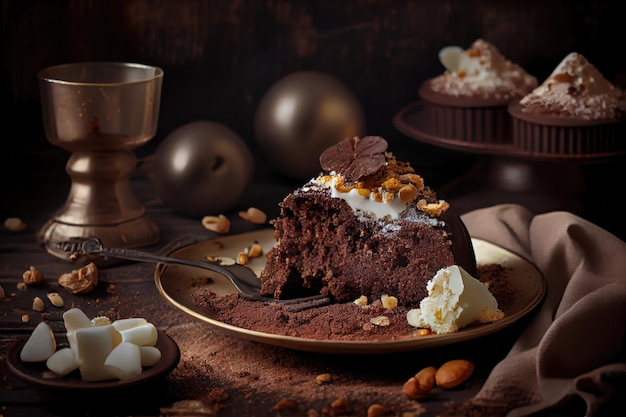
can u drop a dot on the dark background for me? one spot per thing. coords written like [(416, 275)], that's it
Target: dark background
[(221, 56)]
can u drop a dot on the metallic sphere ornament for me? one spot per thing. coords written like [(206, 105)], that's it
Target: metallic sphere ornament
[(202, 168), (302, 115)]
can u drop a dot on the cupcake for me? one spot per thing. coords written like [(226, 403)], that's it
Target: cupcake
[(575, 113), (468, 102)]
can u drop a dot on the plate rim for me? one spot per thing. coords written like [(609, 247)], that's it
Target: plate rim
[(166, 364), (352, 346)]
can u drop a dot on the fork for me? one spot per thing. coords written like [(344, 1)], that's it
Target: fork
[(245, 281)]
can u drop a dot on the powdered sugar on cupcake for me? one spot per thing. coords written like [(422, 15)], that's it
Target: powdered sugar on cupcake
[(576, 88), (481, 71)]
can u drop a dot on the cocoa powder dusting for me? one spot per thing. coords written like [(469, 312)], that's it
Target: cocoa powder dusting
[(339, 321)]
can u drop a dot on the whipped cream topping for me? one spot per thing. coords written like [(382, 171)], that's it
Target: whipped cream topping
[(481, 71), (366, 204), (576, 88), (455, 300), (367, 207)]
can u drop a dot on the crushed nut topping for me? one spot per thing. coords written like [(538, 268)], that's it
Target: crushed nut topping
[(433, 209), (365, 166)]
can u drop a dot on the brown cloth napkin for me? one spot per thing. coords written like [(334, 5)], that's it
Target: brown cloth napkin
[(573, 348)]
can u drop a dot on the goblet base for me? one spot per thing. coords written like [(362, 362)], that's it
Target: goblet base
[(132, 233)]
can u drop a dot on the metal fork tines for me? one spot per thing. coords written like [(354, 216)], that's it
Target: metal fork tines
[(245, 281)]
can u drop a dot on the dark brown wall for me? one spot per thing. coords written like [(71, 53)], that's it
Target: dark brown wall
[(221, 56)]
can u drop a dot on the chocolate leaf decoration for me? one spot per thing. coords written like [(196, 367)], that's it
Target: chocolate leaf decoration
[(355, 158)]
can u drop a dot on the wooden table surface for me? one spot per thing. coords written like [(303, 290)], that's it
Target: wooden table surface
[(231, 376)]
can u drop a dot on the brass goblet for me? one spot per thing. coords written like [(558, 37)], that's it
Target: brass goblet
[(100, 112)]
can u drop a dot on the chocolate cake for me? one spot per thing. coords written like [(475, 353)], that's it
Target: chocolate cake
[(366, 226)]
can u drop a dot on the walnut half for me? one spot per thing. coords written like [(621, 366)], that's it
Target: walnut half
[(80, 281)]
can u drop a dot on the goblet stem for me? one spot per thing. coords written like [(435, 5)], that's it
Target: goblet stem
[(100, 192)]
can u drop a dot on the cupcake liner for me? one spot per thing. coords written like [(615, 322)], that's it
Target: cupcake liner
[(466, 119), (547, 135)]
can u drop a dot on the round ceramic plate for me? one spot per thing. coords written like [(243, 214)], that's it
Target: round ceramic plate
[(178, 283), (37, 374)]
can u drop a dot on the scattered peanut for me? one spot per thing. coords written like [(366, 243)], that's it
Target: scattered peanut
[(15, 224), (322, 379), (361, 301), (254, 251), (218, 224), (380, 321), (376, 410), (285, 404), (420, 385), (433, 209), (55, 299), (220, 260), (341, 405), (424, 332), (32, 276), (453, 373), (253, 215), (38, 304), (389, 302), (25, 318), (242, 258)]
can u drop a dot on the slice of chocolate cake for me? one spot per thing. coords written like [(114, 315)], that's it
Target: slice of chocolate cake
[(367, 226)]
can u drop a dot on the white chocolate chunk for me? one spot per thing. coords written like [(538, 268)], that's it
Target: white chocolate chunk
[(124, 361), (451, 57), (75, 319), (63, 361), (142, 335), (40, 345), (150, 355), (94, 344), (125, 324), (100, 351)]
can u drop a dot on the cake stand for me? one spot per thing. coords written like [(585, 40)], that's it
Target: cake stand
[(504, 174)]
